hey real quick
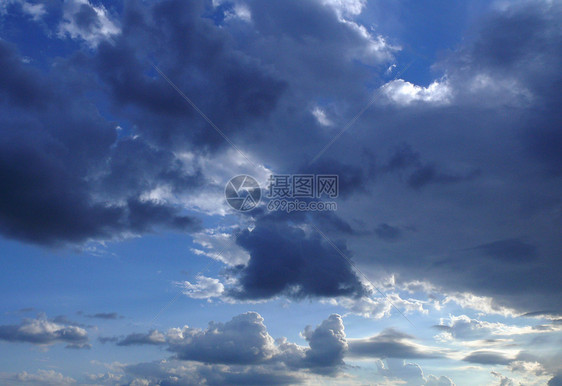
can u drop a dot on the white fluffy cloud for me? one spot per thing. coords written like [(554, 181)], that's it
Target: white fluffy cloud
[(204, 288), (404, 93)]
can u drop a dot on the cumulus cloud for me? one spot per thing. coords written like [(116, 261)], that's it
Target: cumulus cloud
[(243, 340), (328, 345), (44, 332)]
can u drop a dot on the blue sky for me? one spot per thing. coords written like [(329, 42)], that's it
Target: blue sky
[(123, 263)]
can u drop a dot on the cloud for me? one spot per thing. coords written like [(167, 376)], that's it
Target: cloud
[(504, 381), (487, 358), (464, 328), (555, 381), (405, 93), (205, 288), (243, 340), (41, 377), (44, 332), (410, 373), (512, 250), (173, 372), (230, 87), (36, 11), (387, 232), (105, 315), (432, 380), (391, 343), (474, 159), (90, 23), (328, 345), (321, 116), (64, 203), (286, 260), (152, 338), (220, 244)]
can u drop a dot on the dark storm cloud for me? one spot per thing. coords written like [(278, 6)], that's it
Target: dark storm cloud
[(286, 260), (481, 170), (136, 166), (466, 166), (72, 178), (54, 146), (526, 41), (42, 331), (389, 343), (229, 86)]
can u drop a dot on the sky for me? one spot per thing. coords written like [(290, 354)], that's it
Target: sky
[(427, 253)]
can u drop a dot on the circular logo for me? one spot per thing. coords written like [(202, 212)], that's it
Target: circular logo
[(243, 193)]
